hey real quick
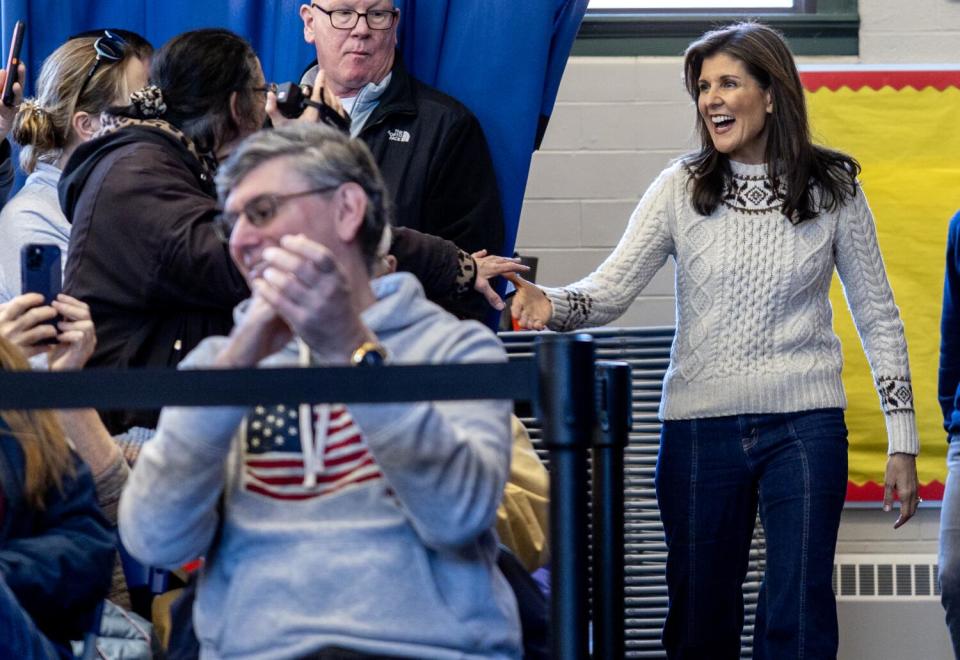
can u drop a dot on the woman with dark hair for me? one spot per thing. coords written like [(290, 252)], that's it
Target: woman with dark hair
[(144, 253), (757, 221), (56, 548)]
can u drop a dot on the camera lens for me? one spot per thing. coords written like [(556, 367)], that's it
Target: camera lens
[(34, 257)]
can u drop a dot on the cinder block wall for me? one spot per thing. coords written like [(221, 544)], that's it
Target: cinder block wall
[(619, 120)]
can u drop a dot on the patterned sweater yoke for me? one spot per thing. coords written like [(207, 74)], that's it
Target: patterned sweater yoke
[(754, 320)]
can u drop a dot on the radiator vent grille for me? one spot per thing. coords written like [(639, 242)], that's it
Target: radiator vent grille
[(647, 350), (883, 577)]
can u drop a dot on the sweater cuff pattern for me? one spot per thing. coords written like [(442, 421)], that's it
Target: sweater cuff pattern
[(466, 274), (896, 394), (580, 307)]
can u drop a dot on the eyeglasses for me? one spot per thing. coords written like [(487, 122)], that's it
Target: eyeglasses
[(347, 19), (269, 87), (261, 210), (110, 48)]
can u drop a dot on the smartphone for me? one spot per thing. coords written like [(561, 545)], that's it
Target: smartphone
[(40, 271), (13, 63)]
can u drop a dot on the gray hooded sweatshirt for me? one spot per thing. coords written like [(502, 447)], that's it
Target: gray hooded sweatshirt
[(375, 534)]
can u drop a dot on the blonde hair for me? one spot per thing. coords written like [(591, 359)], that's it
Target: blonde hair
[(44, 124), (41, 438)]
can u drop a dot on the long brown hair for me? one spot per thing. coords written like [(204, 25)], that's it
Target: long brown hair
[(41, 438), (791, 157)]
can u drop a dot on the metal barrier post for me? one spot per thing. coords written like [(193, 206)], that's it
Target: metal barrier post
[(566, 406), (614, 403)]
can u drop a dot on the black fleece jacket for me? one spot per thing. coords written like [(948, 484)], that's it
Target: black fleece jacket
[(434, 158)]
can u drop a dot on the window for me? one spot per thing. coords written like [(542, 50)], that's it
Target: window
[(705, 5), (666, 27)]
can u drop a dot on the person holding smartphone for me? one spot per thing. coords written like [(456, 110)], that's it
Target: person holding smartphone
[(27, 324), (7, 116), (79, 80), (56, 547)]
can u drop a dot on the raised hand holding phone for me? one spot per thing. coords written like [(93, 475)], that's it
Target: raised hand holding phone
[(12, 70), (40, 273), (77, 336), (27, 323)]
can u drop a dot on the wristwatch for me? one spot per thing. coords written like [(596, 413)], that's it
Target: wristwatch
[(369, 354)]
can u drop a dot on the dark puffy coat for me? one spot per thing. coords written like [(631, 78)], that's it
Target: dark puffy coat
[(144, 253)]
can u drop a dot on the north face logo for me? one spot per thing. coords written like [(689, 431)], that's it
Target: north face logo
[(398, 135)]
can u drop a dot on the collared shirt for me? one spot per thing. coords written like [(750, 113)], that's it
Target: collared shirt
[(359, 107)]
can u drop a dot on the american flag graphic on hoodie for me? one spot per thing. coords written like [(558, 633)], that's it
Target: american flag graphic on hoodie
[(276, 466)]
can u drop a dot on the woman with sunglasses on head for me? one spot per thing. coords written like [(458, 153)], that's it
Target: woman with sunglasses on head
[(757, 221), (56, 547), (78, 81)]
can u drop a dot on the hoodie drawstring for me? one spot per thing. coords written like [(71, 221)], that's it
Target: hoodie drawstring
[(312, 437)]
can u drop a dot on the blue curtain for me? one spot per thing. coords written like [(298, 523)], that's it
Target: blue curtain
[(502, 58)]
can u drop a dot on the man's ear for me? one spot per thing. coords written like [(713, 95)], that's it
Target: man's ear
[(396, 22), (352, 209), (85, 125), (306, 15)]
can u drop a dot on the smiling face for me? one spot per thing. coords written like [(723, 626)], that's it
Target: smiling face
[(350, 58), (734, 108), (311, 215)]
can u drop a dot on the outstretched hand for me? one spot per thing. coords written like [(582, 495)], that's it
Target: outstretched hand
[(901, 477), (490, 266), (531, 308)]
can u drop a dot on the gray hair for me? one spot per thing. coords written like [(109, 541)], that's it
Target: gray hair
[(323, 156)]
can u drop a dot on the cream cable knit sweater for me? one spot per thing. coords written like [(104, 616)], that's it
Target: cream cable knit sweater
[(754, 321)]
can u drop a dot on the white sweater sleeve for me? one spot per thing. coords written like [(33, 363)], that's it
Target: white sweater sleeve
[(605, 294), (877, 319)]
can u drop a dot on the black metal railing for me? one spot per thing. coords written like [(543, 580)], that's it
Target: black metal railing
[(569, 391)]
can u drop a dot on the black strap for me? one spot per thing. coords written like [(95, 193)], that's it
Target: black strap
[(329, 116), (153, 388)]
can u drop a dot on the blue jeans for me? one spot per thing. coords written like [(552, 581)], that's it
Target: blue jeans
[(19, 636), (950, 544), (711, 476)]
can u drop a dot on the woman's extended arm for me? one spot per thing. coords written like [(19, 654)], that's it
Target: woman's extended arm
[(604, 295)]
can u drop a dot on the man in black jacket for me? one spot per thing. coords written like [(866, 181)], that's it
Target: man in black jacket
[(430, 147)]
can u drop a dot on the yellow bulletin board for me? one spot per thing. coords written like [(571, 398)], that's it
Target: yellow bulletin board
[(903, 125)]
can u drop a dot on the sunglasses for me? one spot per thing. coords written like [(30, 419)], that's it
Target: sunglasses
[(110, 48)]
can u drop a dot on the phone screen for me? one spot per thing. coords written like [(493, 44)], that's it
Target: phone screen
[(13, 63)]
